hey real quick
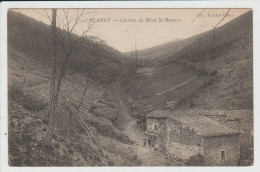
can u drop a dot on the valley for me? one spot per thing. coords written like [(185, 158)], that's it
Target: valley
[(104, 122)]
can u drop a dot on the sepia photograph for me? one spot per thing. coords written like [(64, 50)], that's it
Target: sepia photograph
[(130, 87)]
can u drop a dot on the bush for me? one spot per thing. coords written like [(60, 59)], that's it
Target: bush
[(29, 101), (108, 130), (15, 91), (27, 145), (33, 103), (196, 160)]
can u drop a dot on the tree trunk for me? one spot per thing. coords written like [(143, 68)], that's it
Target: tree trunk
[(53, 91)]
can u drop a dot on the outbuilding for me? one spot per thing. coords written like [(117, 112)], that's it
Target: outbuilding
[(185, 136)]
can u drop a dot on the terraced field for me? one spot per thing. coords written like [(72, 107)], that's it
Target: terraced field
[(159, 84)]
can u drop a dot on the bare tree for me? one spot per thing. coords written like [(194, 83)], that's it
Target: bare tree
[(53, 91), (96, 46), (66, 39)]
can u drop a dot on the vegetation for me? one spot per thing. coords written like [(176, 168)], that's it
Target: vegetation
[(29, 108), (39, 35), (223, 61), (29, 101), (196, 160), (89, 119), (228, 57)]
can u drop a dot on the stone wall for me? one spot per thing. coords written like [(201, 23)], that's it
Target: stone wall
[(184, 151), (183, 142), (242, 123), (182, 134), (163, 135), (221, 150)]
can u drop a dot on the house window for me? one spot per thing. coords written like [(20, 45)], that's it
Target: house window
[(223, 155)]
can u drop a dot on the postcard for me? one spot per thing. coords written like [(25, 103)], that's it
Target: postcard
[(130, 87)]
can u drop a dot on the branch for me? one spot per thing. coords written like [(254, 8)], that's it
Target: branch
[(47, 16), (220, 22)]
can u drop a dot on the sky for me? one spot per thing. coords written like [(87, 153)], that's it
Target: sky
[(121, 28)]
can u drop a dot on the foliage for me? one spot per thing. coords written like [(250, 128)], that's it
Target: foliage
[(196, 160), (29, 101), (83, 59), (107, 129), (27, 146), (227, 57)]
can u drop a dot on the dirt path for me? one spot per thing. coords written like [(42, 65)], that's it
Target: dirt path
[(123, 118), (147, 155)]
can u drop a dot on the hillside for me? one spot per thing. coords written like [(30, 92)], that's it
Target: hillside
[(222, 63), (212, 72), (35, 41), (159, 52), (229, 57), (28, 94)]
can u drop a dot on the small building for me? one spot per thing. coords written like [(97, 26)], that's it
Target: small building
[(155, 121), (187, 135)]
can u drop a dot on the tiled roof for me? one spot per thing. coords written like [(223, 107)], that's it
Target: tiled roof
[(199, 120), (205, 126), (230, 114)]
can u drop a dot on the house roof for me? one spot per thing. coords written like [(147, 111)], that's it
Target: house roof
[(199, 121), (204, 126), (199, 112), (229, 114)]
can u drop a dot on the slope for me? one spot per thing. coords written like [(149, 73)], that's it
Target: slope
[(33, 38), (28, 95), (222, 63), (151, 55), (229, 57)]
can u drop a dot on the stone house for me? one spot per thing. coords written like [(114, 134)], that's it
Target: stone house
[(241, 120), (155, 127), (187, 135)]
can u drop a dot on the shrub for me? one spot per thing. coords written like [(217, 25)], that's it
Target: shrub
[(196, 160), (15, 91), (27, 146), (29, 101), (33, 103), (108, 130)]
